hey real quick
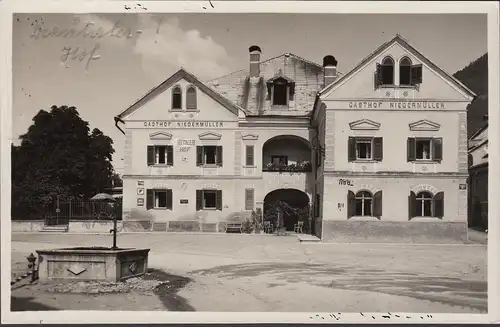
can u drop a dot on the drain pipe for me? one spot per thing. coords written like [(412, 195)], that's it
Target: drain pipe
[(118, 120)]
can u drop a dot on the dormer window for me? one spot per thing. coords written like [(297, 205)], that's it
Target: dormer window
[(385, 72), (177, 98), (280, 90), (191, 101)]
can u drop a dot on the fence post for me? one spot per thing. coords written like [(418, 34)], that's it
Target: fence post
[(69, 204)]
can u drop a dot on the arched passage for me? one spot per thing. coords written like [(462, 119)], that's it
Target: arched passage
[(292, 204), (286, 151)]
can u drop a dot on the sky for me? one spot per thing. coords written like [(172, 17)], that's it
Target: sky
[(102, 75)]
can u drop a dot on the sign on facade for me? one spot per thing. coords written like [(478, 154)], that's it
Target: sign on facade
[(182, 124), (140, 202), (184, 201), (462, 186), (396, 105), (140, 191), (140, 183)]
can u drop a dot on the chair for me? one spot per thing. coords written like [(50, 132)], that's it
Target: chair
[(298, 227), (268, 228)]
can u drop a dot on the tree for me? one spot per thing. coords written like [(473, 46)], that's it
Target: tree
[(58, 157), (117, 180)]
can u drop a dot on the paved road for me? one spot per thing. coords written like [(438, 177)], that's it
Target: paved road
[(270, 273)]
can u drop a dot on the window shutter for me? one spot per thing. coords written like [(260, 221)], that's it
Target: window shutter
[(249, 152), (411, 205), (218, 200), (151, 155), (191, 99), (351, 204), (170, 155), (199, 200), (438, 205), (416, 74), (351, 149), (379, 76), (377, 204), (437, 149), (378, 151), (219, 156), (249, 195), (411, 149), (149, 199), (169, 200), (199, 156)]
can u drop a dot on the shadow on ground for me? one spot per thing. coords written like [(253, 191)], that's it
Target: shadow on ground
[(27, 304), (167, 291)]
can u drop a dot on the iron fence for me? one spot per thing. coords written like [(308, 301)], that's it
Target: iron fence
[(63, 212)]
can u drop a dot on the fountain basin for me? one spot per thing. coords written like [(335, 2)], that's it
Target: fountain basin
[(91, 264)]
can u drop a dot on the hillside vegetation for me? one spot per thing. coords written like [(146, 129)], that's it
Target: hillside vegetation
[(475, 77)]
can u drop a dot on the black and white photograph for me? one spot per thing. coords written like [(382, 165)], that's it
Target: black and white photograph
[(201, 157)]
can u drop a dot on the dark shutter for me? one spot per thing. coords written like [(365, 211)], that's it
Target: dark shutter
[(416, 74), (218, 200), (437, 149), (169, 200), (379, 76), (249, 153), (351, 204), (378, 151), (149, 199), (411, 149), (351, 149), (151, 155), (377, 204), (170, 155), (438, 205), (199, 156), (219, 156), (249, 199), (199, 200), (412, 205)]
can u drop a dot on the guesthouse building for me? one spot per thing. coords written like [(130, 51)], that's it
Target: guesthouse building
[(377, 153)]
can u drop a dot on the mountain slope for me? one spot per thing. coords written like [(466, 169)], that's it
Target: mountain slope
[(475, 77)]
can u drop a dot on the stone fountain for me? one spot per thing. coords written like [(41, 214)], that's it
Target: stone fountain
[(110, 264)]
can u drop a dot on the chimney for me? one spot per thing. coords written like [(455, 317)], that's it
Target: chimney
[(254, 61), (330, 69)]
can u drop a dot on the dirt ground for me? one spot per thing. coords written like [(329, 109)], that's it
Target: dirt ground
[(268, 273)]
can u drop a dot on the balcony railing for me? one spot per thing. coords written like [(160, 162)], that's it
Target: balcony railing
[(300, 167)]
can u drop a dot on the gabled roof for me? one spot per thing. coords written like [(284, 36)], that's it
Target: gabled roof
[(182, 74), (288, 55), (398, 39), (479, 131)]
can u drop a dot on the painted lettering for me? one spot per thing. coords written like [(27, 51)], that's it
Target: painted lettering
[(183, 124), (346, 182), (396, 105)]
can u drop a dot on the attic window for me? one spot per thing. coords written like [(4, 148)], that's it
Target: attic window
[(280, 91), (409, 75), (385, 72), (191, 103), (177, 98)]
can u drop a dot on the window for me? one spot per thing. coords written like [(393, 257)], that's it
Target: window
[(160, 155), (177, 98), (385, 72), (405, 72), (365, 148), (280, 96), (208, 199), (249, 199), (279, 160), (191, 102), (364, 204), (425, 204), (425, 149), (209, 155), (159, 199), (249, 155)]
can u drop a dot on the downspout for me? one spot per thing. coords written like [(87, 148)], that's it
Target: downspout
[(118, 120)]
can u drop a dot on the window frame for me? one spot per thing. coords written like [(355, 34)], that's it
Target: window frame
[(249, 191), (420, 202), (287, 94), (381, 70), (195, 94), (247, 157), (167, 153), (431, 152), (409, 67), (209, 191), (363, 199), (180, 93), (152, 193), (364, 140), (218, 155)]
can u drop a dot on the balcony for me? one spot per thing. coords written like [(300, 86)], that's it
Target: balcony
[(299, 167)]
